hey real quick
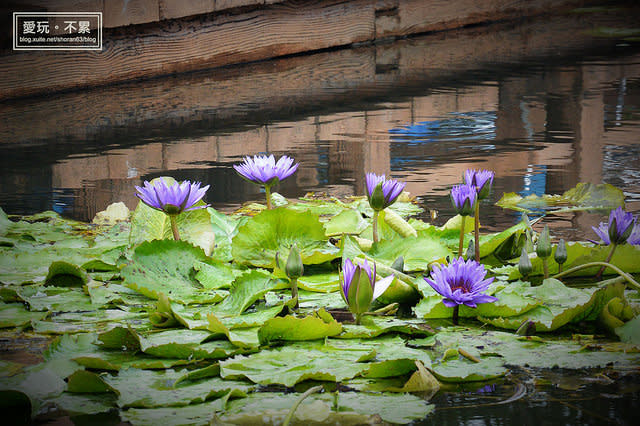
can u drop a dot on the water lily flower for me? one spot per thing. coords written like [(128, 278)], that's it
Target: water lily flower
[(264, 170), (634, 237), (381, 193), (481, 179), (619, 228), (359, 287), (461, 283), (172, 199), (617, 231), (465, 199)]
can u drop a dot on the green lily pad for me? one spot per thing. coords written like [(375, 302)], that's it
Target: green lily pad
[(460, 370), (629, 332), (167, 267), (418, 252), (78, 405), (323, 283), (55, 299), (245, 290), (275, 231), (86, 322), (16, 315), (348, 222), (584, 196), (148, 389), (294, 363), (37, 384), (291, 328), (196, 414), (373, 326), (560, 305)]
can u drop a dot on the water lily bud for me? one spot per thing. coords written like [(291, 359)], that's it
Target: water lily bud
[(543, 248), (294, 267), (377, 198), (560, 255), (528, 244), (524, 264), (398, 264), (471, 250)]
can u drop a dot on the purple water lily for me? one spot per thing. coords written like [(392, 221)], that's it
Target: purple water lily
[(390, 190), (464, 198), (172, 199), (359, 287), (619, 229), (481, 179), (461, 283), (265, 171)]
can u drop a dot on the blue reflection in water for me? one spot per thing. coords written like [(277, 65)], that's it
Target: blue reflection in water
[(460, 127), (62, 201)]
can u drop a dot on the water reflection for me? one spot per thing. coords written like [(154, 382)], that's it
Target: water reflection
[(542, 125)]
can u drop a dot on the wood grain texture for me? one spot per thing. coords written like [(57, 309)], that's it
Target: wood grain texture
[(186, 45)]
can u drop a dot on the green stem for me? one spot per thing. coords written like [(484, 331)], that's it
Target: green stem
[(358, 319), (620, 272), (375, 226), (560, 267), (309, 391), (454, 317), (294, 292), (267, 190), (477, 230), (174, 227), (545, 267), (461, 243), (601, 271)]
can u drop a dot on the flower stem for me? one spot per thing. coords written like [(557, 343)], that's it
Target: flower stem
[(174, 227), (294, 292), (601, 271), (545, 267), (477, 230), (309, 391), (267, 190), (375, 225), (454, 317), (358, 319), (620, 272), (461, 243)]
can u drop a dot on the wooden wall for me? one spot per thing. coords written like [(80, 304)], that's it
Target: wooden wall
[(150, 38)]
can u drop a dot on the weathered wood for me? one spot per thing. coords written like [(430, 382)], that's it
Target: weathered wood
[(236, 31), (192, 44)]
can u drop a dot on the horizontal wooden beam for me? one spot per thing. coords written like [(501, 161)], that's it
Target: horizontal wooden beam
[(173, 37)]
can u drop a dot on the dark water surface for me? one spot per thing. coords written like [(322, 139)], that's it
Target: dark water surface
[(546, 103)]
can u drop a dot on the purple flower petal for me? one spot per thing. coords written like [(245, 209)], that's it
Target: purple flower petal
[(172, 199), (264, 170), (461, 282)]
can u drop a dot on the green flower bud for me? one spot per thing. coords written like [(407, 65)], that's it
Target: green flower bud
[(398, 264), (294, 267), (524, 264), (543, 248), (377, 198), (560, 255), (471, 250)]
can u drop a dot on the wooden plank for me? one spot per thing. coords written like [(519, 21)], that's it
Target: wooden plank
[(192, 44), (118, 13), (171, 9)]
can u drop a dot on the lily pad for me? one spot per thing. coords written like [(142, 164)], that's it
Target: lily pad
[(291, 328), (584, 196), (275, 231), (167, 267)]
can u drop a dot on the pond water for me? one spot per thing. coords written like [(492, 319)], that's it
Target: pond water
[(543, 114)]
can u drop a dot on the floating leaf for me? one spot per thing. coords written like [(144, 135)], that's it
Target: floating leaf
[(167, 267), (147, 389), (584, 196), (275, 231), (348, 222), (16, 315), (291, 328), (418, 252)]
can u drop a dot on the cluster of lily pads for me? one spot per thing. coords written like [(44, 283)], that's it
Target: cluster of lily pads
[(316, 310)]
